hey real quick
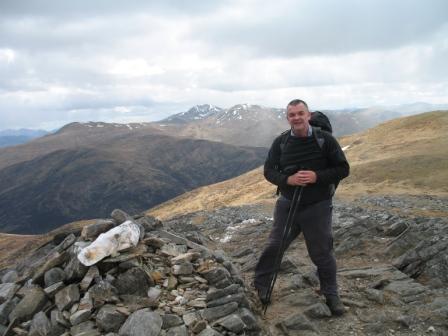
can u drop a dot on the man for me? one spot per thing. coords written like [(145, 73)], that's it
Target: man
[(301, 162)]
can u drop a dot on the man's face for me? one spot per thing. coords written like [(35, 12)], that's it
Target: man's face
[(298, 117)]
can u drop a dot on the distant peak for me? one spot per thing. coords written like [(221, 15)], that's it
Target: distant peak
[(197, 112), (204, 108), (101, 125)]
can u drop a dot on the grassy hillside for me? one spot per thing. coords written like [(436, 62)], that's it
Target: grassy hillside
[(407, 154), (248, 188), (403, 156), (128, 170), (14, 247)]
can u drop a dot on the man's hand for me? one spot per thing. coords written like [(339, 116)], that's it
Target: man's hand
[(302, 178)]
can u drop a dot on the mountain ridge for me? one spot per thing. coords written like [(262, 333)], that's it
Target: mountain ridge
[(390, 251), (386, 145), (255, 125), (131, 170)]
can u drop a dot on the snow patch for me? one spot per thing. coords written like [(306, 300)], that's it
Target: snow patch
[(346, 147), (231, 229)]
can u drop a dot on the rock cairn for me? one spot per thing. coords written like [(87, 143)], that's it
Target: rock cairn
[(166, 285)]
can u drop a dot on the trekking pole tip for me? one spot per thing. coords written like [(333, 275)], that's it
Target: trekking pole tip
[(265, 308)]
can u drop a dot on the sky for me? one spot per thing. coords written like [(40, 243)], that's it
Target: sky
[(133, 61)]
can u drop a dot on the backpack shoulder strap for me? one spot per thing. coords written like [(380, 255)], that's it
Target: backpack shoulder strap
[(284, 136), (317, 132), (284, 139), (320, 139)]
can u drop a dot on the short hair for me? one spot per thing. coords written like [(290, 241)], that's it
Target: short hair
[(296, 102)]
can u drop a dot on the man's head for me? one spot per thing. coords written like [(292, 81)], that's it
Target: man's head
[(298, 117)]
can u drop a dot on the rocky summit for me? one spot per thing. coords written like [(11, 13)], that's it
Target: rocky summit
[(193, 273), (392, 266), (165, 285)]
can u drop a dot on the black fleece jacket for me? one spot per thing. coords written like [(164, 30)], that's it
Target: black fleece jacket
[(304, 153)]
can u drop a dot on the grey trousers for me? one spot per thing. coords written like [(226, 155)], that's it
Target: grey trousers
[(315, 222)]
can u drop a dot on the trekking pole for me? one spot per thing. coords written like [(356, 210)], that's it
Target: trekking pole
[(286, 232)]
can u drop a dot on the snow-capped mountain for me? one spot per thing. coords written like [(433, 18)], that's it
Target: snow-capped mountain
[(241, 125), (246, 112), (255, 125), (197, 112)]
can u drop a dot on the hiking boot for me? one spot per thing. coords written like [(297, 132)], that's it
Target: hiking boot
[(335, 305), (263, 295)]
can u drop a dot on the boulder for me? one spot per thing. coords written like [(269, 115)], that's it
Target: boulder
[(142, 323), (214, 313), (134, 281), (53, 289), (171, 320), (119, 216), (109, 243), (32, 302), (177, 331), (296, 322), (318, 310), (7, 291), (6, 308), (109, 319), (182, 269), (10, 276), (102, 292), (149, 223), (80, 316), (249, 319), (216, 294), (209, 332), (232, 323), (67, 296), (40, 325), (86, 328), (75, 270), (219, 276), (91, 274), (91, 232), (53, 276)]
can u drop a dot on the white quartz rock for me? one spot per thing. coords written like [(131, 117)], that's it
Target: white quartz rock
[(109, 243)]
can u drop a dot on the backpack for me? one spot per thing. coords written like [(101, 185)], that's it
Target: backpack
[(319, 122)]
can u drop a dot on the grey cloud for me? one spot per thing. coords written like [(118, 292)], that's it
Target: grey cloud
[(86, 26), (86, 8), (54, 110), (327, 27), (85, 35), (219, 52)]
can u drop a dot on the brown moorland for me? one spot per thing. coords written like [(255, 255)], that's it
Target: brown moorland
[(405, 156), (386, 147)]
